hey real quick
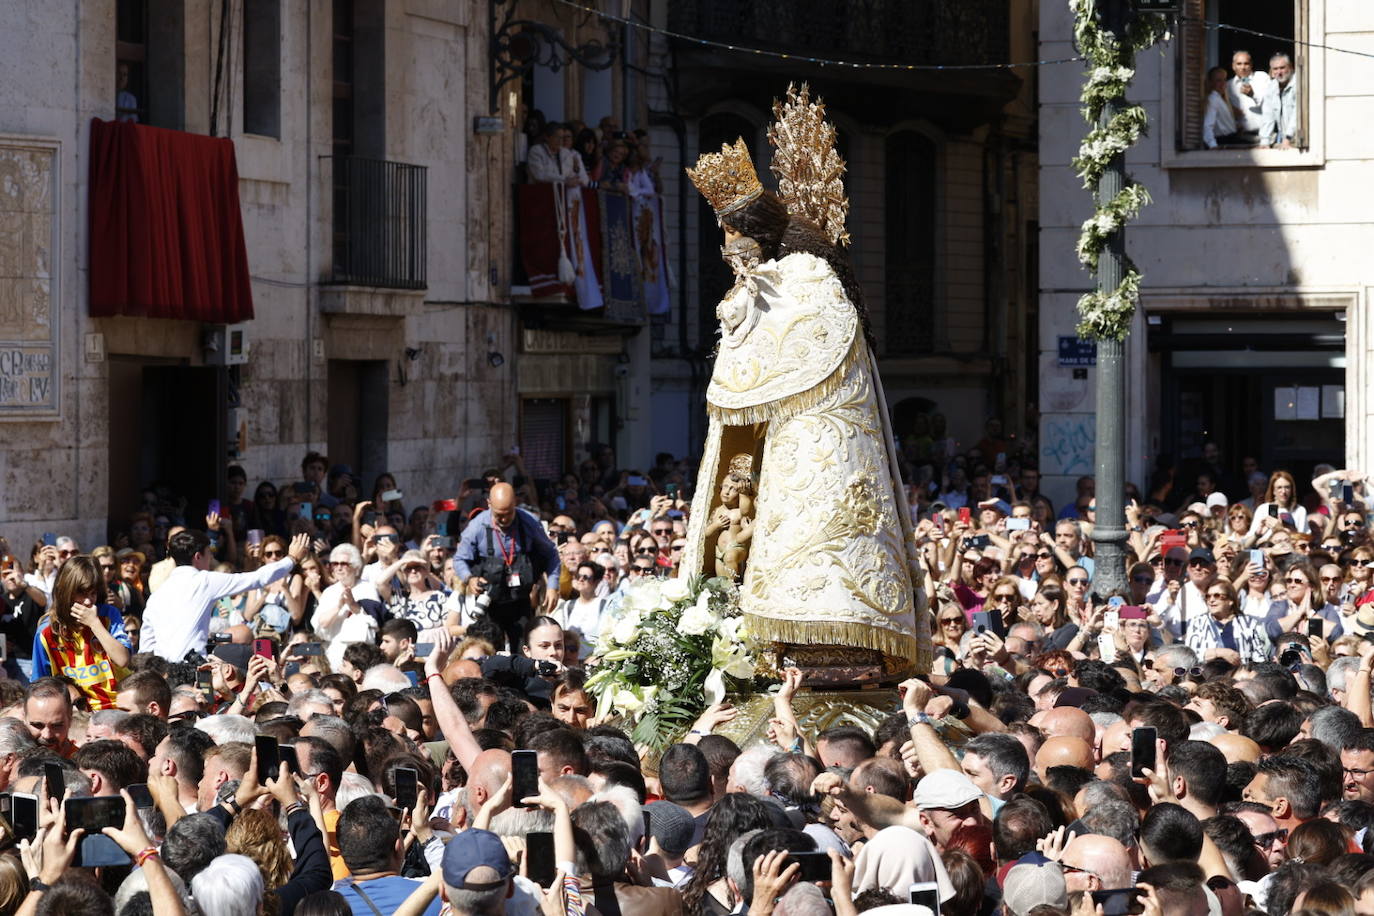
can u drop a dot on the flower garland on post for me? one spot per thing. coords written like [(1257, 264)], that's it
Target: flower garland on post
[(1111, 59)]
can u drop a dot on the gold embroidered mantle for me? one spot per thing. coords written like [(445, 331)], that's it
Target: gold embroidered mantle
[(833, 558)]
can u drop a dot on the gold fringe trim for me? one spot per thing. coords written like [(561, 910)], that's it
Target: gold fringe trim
[(826, 632), (785, 408)]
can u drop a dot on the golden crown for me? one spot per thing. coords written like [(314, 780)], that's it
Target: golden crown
[(727, 179)]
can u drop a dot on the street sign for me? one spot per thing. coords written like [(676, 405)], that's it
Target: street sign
[(1075, 352)]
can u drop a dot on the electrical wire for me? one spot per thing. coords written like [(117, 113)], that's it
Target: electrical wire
[(868, 65)]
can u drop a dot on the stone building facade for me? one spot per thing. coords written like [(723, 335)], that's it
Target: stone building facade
[(1254, 319)]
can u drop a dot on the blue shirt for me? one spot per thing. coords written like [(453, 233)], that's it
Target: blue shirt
[(387, 895), (529, 538)]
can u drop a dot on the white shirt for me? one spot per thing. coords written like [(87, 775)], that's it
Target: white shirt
[(177, 618), (585, 618), (1299, 514), (1191, 603), (43, 583), (545, 168), (329, 604), (1219, 121), (1251, 106)]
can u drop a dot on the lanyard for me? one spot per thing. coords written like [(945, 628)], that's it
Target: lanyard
[(507, 558)]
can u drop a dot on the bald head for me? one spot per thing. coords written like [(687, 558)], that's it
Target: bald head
[(1236, 748), (1064, 751), (501, 499), (489, 771), (1101, 856), (1068, 722)]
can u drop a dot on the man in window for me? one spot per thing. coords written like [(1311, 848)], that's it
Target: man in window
[(1280, 104), (1248, 87), (552, 162)]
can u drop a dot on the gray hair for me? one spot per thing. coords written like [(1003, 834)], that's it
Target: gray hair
[(137, 883), (224, 728), (296, 705), (1205, 731), (1101, 791), (231, 885), (192, 843), (803, 899), (490, 902), (109, 717), (1338, 675), (15, 737), (1335, 727), (348, 554), (627, 803), (734, 865), (1104, 719), (1114, 818), (352, 787), (749, 766), (386, 678), (1175, 656)]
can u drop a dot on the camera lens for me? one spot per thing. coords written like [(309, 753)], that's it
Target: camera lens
[(483, 601)]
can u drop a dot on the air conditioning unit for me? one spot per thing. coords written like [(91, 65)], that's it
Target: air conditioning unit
[(226, 344)]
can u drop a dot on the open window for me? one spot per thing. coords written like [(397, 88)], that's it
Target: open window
[(150, 62), (1211, 35)]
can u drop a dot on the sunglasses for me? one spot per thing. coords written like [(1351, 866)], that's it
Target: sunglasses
[(273, 553), (1191, 672), (1156, 561), (107, 566), (641, 569), (952, 621), (1299, 580), (1220, 596), (1005, 597), (1044, 555), (1142, 580), (1331, 578), (1173, 562), (646, 551), (663, 531), (1190, 525), (333, 563), (1078, 581), (582, 578), (1268, 839)]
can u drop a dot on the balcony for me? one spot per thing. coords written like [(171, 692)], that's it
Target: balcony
[(380, 223), (925, 32)]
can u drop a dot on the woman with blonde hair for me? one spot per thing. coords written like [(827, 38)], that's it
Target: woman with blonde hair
[(82, 636), (14, 884)]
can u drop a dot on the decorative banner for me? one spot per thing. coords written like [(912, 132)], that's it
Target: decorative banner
[(29, 374), (653, 265), (620, 260)]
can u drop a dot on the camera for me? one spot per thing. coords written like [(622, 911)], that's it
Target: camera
[(1290, 658), (483, 600), (545, 668)]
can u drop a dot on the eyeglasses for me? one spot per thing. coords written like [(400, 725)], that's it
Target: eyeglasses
[(1296, 580), (1220, 596), (1331, 578), (663, 531), (1191, 672), (333, 563), (1190, 525), (582, 579), (1044, 555), (952, 621), (1358, 774), (1156, 561), (1173, 562), (1264, 840), (1004, 596), (66, 553), (1078, 581), (1142, 580), (679, 547), (107, 566), (641, 569), (268, 554)]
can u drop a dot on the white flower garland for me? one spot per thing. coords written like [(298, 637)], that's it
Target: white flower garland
[(1107, 314)]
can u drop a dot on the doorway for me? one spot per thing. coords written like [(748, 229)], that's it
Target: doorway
[(358, 416), (167, 430)]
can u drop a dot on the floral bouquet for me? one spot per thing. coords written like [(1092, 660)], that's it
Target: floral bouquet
[(674, 648)]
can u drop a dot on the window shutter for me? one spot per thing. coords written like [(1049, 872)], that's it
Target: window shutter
[(1192, 74), (543, 440)]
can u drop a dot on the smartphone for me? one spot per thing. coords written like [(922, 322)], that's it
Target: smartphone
[(1018, 524), (255, 536), (475, 483), (648, 827), (307, 648), (53, 779), (671, 490), (444, 505), (264, 648), (1106, 647), (539, 863), (445, 542), (423, 649), (370, 518), (93, 813), (49, 539), (1116, 601), (998, 480), (524, 768), (303, 487), (675, 513), (287, 754), (1120, 902), (1348, 494), (24, 815), (982, 622), (1273, 510), (1111, 619), (1314, 627), (979, 541), (140, 794), (1257, 558), (268, 759), (204, 682), (815, 866), (965, 516), (408, 786), (634, 480), (291, 668), (926, 894), (391, 496), (212, 508), (306, 511), (1143, 750)]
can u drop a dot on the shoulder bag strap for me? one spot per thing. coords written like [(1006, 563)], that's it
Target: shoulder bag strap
[(366, 899)]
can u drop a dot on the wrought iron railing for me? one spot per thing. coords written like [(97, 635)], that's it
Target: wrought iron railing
[(912, 31), (380, 223)]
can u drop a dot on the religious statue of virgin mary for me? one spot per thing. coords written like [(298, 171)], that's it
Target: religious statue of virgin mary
[(799, 433)]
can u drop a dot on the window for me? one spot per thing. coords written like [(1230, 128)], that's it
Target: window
[(262, 67), (912, 210), (131, 56), (150, 62), (1207, 47)]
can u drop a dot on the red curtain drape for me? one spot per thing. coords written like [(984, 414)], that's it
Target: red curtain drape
[(166, 232)]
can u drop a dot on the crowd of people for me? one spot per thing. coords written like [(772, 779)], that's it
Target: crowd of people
[(325, 704)]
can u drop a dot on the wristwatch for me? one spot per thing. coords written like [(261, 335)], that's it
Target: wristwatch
[(36, 885), (919, 719)]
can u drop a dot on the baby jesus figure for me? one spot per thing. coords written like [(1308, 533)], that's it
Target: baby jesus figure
[(732, 523)]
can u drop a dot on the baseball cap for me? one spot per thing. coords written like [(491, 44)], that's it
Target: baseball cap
[(671, 825), (945, 789), (235, 655), (1202, 553), (472, 849), (1032, 882), (1217, 499)]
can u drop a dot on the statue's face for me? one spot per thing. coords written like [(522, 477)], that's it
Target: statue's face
[(729, 490), (730, 234)]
